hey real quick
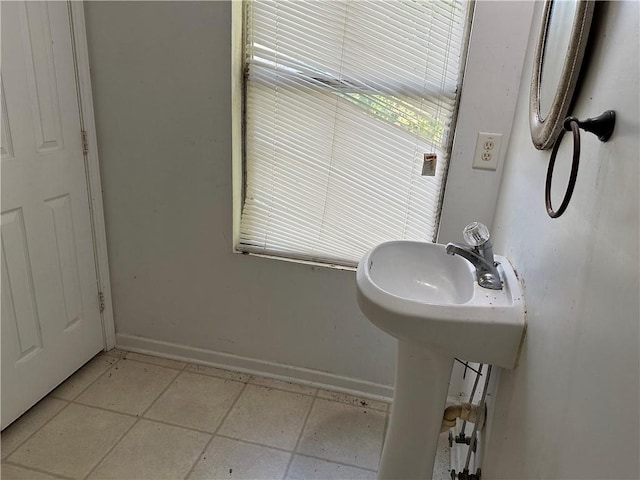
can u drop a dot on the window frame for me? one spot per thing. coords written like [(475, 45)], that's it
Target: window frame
[(487, 104)]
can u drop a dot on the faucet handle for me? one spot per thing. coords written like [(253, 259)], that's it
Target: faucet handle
[(476, 234)]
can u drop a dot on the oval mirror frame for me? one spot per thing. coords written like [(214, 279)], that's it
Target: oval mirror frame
[(545, 131)]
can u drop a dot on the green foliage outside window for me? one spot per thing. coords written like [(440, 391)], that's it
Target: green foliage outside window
[(402, 114)]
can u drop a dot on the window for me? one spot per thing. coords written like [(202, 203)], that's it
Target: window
[(342, 101)]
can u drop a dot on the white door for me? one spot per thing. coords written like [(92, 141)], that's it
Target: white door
[(51, 322)]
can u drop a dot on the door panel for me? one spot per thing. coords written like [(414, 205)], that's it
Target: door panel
[(51, 322), (40, 73), (18, 297)]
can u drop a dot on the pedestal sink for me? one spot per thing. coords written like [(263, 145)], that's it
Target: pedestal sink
[(432, 304)]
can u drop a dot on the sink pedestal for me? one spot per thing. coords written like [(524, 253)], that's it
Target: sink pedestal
[(419, 400)]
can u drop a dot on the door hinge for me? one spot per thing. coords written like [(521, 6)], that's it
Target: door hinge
[(101, 301), (85, 142)]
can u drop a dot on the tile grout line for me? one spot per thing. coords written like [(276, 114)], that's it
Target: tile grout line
[(124, 359), (118, 360), (336, 462), (213, 435), (219, 377), (134, 415), (109, 450), (90, 384), (37, 430), (296, 452), (304, 425), (138, 418), (251, 377), (69, 402), (361, 402), (104, 409), (249, 442), (250, 381), (284, 450), (138, 360), (120, 412), (36, 469)]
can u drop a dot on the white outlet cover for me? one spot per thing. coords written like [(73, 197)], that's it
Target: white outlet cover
[(487, 158)]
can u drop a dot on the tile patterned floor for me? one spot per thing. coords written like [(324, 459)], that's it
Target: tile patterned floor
[(130, 416)]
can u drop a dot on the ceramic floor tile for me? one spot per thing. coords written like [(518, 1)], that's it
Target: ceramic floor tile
[(84, 377), (226, 458), (267, 416), (196, 401), (13, 472), (343, 433), (27, 424), (352, 400), (283, 385), (129, 387), (162, 362), (220, 373), (154, 451), (73, 442), (306, 468)]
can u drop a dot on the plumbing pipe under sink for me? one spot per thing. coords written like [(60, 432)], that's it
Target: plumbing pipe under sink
[(463, 411)]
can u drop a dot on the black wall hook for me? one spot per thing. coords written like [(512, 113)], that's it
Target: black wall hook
[(602, 126)]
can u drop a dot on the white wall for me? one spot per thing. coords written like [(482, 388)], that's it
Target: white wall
[(570, 410), (161, 75)]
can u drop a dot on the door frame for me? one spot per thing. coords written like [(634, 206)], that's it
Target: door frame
[(92, 169)]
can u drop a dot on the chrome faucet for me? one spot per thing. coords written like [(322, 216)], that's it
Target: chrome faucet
[(480, 254)]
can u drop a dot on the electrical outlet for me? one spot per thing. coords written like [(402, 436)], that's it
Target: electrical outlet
[(487, 151)]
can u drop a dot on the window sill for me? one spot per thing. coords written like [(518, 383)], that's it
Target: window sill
[(311, 263)]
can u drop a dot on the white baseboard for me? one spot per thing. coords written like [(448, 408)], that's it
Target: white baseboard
[(228, 361)]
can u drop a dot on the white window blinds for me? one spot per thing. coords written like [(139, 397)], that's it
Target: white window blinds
[(342, 100)]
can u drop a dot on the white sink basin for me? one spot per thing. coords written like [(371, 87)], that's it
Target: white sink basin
[(416, 292), (431, 302), (420, 272)]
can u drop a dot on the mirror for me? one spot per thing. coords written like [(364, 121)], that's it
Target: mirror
[(564, 32)]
